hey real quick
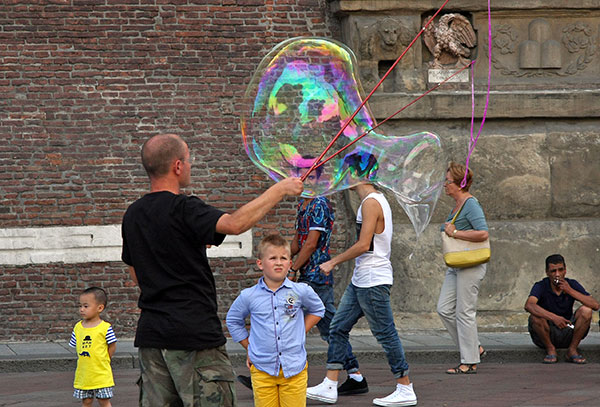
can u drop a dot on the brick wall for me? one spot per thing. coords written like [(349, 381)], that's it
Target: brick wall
[(82, 84)]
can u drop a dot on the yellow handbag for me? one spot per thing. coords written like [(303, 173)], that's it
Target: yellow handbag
[(462, 253)]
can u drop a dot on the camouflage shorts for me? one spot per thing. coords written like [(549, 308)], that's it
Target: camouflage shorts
[(171, 378)]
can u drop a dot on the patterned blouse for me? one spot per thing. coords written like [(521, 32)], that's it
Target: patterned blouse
[(318, 215)]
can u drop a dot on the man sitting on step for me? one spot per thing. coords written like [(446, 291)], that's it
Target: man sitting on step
[(552, 323)]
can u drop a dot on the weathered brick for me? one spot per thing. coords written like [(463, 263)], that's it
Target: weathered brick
[(83, 87)]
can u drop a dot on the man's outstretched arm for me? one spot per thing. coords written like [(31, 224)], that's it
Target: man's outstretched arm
[(248, 215)]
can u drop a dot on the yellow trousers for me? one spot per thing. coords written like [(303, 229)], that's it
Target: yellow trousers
[(272, 391)]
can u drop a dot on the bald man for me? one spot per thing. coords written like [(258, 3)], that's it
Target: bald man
[(182, 354)]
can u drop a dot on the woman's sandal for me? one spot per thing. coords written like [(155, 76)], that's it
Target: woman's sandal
[(471, 369)]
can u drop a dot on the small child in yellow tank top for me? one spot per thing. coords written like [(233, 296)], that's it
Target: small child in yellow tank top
[(95, 343)]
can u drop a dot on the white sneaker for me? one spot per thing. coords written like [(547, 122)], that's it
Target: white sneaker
[(403, 396), (325, 392)]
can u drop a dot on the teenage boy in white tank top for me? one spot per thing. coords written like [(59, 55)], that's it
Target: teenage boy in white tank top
[(367, 295)]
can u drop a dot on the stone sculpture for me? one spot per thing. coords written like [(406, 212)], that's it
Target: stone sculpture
[(382, 39), (450, 40)]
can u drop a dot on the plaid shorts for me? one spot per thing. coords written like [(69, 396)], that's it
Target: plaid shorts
[(103, 393)]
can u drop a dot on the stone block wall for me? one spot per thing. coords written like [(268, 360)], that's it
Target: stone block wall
[(536, 163)]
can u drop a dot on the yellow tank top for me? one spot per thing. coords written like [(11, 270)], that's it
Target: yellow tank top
[(93, 363)]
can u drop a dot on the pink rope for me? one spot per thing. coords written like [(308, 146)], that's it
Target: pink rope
[(472, 140), (371, 93), (394, 114)]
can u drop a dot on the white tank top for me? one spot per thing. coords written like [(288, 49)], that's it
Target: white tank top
[(374, 267)]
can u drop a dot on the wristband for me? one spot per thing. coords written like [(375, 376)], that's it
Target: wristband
[(292, 271), (454, 233)]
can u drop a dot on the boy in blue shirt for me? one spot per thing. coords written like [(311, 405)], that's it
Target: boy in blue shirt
[(276, 351)]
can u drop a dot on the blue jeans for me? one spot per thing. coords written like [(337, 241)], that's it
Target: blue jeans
[(325, 293), (374, 303)]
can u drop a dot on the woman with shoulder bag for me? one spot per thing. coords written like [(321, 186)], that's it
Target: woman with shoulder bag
[(457, 305)]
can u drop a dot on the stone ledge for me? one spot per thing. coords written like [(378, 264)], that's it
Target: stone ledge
[(503, 104), (348, 6)]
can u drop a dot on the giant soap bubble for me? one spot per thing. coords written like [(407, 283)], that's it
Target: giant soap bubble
[(300, 97)]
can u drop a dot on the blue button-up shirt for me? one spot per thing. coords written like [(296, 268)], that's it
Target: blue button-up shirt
[(277, 333)]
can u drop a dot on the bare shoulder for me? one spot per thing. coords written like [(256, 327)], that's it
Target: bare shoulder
[(372, 205)]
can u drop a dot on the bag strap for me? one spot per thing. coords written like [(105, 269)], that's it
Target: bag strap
[(459, 209)]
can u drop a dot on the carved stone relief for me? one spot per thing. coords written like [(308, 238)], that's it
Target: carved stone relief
[(378, 43), (540, 50), (382, 39), (544, 50), (579, 40), (505, 39), (524, 45), (450, 40)]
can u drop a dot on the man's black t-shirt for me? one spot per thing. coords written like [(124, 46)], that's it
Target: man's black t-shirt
[(164, 239)]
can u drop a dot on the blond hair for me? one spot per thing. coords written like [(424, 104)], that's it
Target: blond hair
[(275, 240)]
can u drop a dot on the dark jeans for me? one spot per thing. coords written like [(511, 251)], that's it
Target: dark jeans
[(325, 293), (374, 303)]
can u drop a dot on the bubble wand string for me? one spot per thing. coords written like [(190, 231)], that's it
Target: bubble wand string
[(393, 114), (371, 93), (473, 141)]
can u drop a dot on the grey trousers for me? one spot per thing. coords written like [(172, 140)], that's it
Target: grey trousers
[(457, 307)]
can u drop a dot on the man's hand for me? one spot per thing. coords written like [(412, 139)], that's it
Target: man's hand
[(133, 275), (326, 267), (248, 362), (291, 186), (586, 300), (560, 322), (565, 287)]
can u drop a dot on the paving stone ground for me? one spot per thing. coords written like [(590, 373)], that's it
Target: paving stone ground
[(511, 375), (495, 385)]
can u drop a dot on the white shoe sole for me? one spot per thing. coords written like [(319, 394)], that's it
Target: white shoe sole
[(380, 402), (327, 400)]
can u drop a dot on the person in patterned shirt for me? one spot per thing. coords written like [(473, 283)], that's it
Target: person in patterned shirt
[(314, 225), (310, 246)]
